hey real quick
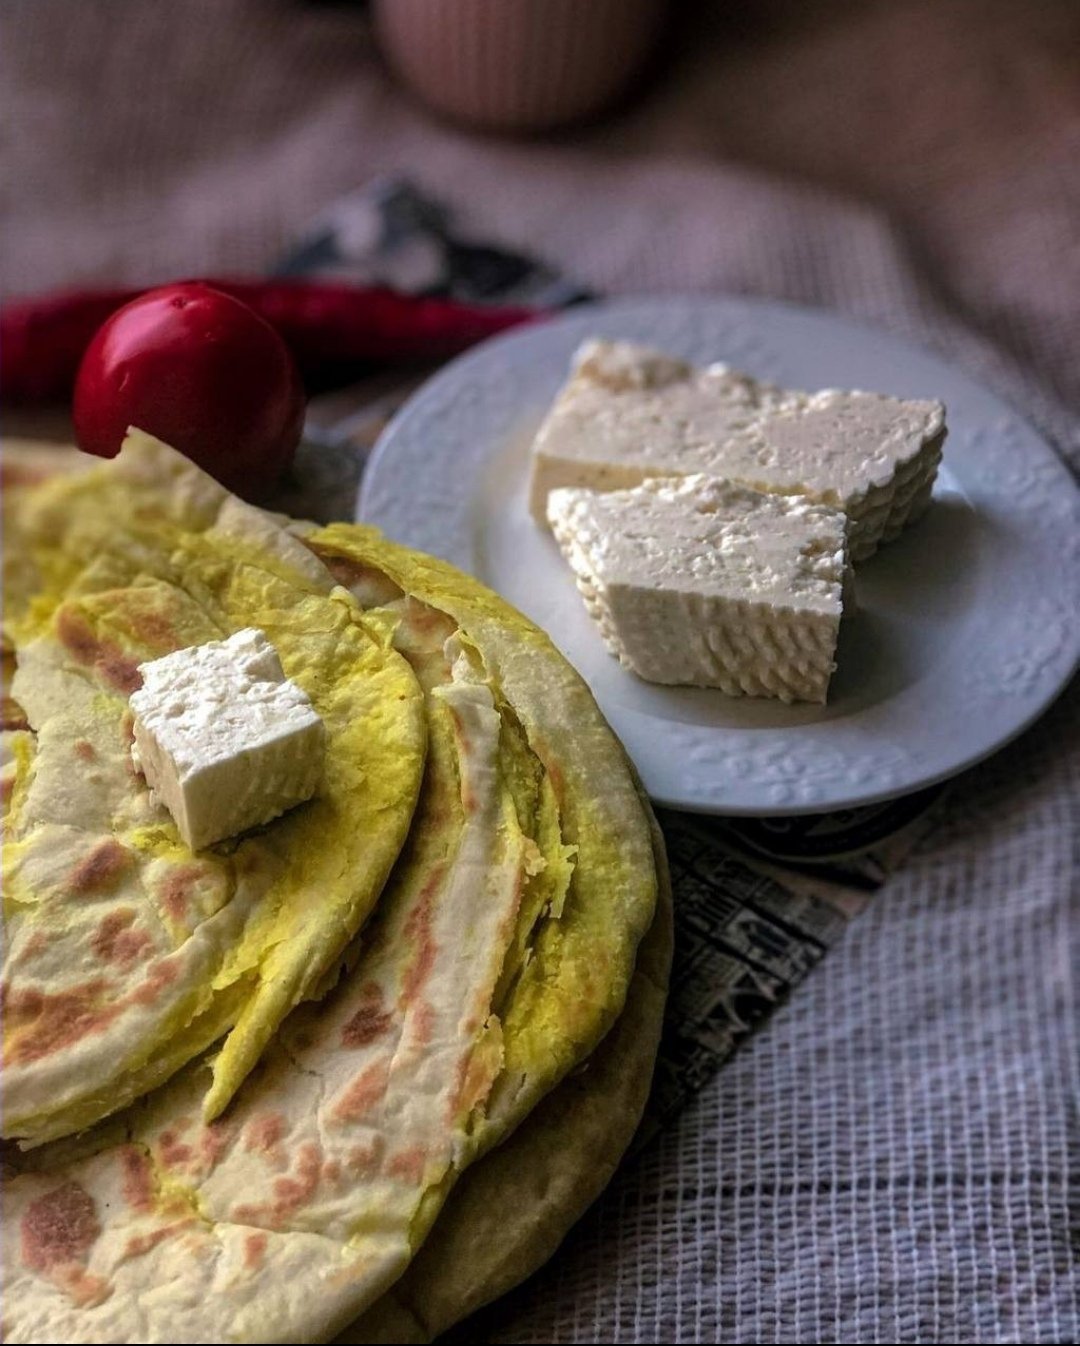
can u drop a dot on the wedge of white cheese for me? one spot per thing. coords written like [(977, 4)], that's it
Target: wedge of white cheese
[(701, 581), (224, 739), (628, 413)]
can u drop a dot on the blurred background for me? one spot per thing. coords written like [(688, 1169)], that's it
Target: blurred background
[(914, 162)]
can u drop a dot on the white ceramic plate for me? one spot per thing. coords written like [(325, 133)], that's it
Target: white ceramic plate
[(967, 625)]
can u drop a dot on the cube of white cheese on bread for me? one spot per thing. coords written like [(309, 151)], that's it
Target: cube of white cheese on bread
[(702, 581), (628, 412), (226, 742)]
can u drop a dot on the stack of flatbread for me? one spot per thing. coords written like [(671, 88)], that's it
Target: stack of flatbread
[(353, 1072)]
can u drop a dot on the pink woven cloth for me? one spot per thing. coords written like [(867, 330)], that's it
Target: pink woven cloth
[(896, 1156)]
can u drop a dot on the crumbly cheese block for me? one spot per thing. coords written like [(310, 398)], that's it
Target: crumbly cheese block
[(225, 740), (628, 413), (699, 580)]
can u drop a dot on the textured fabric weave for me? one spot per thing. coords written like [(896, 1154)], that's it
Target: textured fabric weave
[(896, 1155)]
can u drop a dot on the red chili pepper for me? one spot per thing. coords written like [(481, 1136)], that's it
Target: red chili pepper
[(43, 340)]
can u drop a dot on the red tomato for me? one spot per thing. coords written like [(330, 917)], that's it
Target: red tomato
[(201, 371)]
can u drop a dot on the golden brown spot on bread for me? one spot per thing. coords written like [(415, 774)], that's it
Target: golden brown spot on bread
[(343, 569), (138, 1178), (363, 1160), (418, 932), (421, 1024), (140, 1244), (177, 889), (370, 1020), (120, 671), (431, 625), (369, 585), (554, 775), (115, 668), (115, 942), (290, 1194), (364, 1092), (171, 1150), (38, 1023), (152, 628), (182, 884), (215, 1139), (20, 474), (99, 871), (408, 1164), (263, 1134), (83, 1289), (33, 948), (158, 977), (12, 715), (254, 1251), (58, 1228), (85, 750), (77, 637)]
